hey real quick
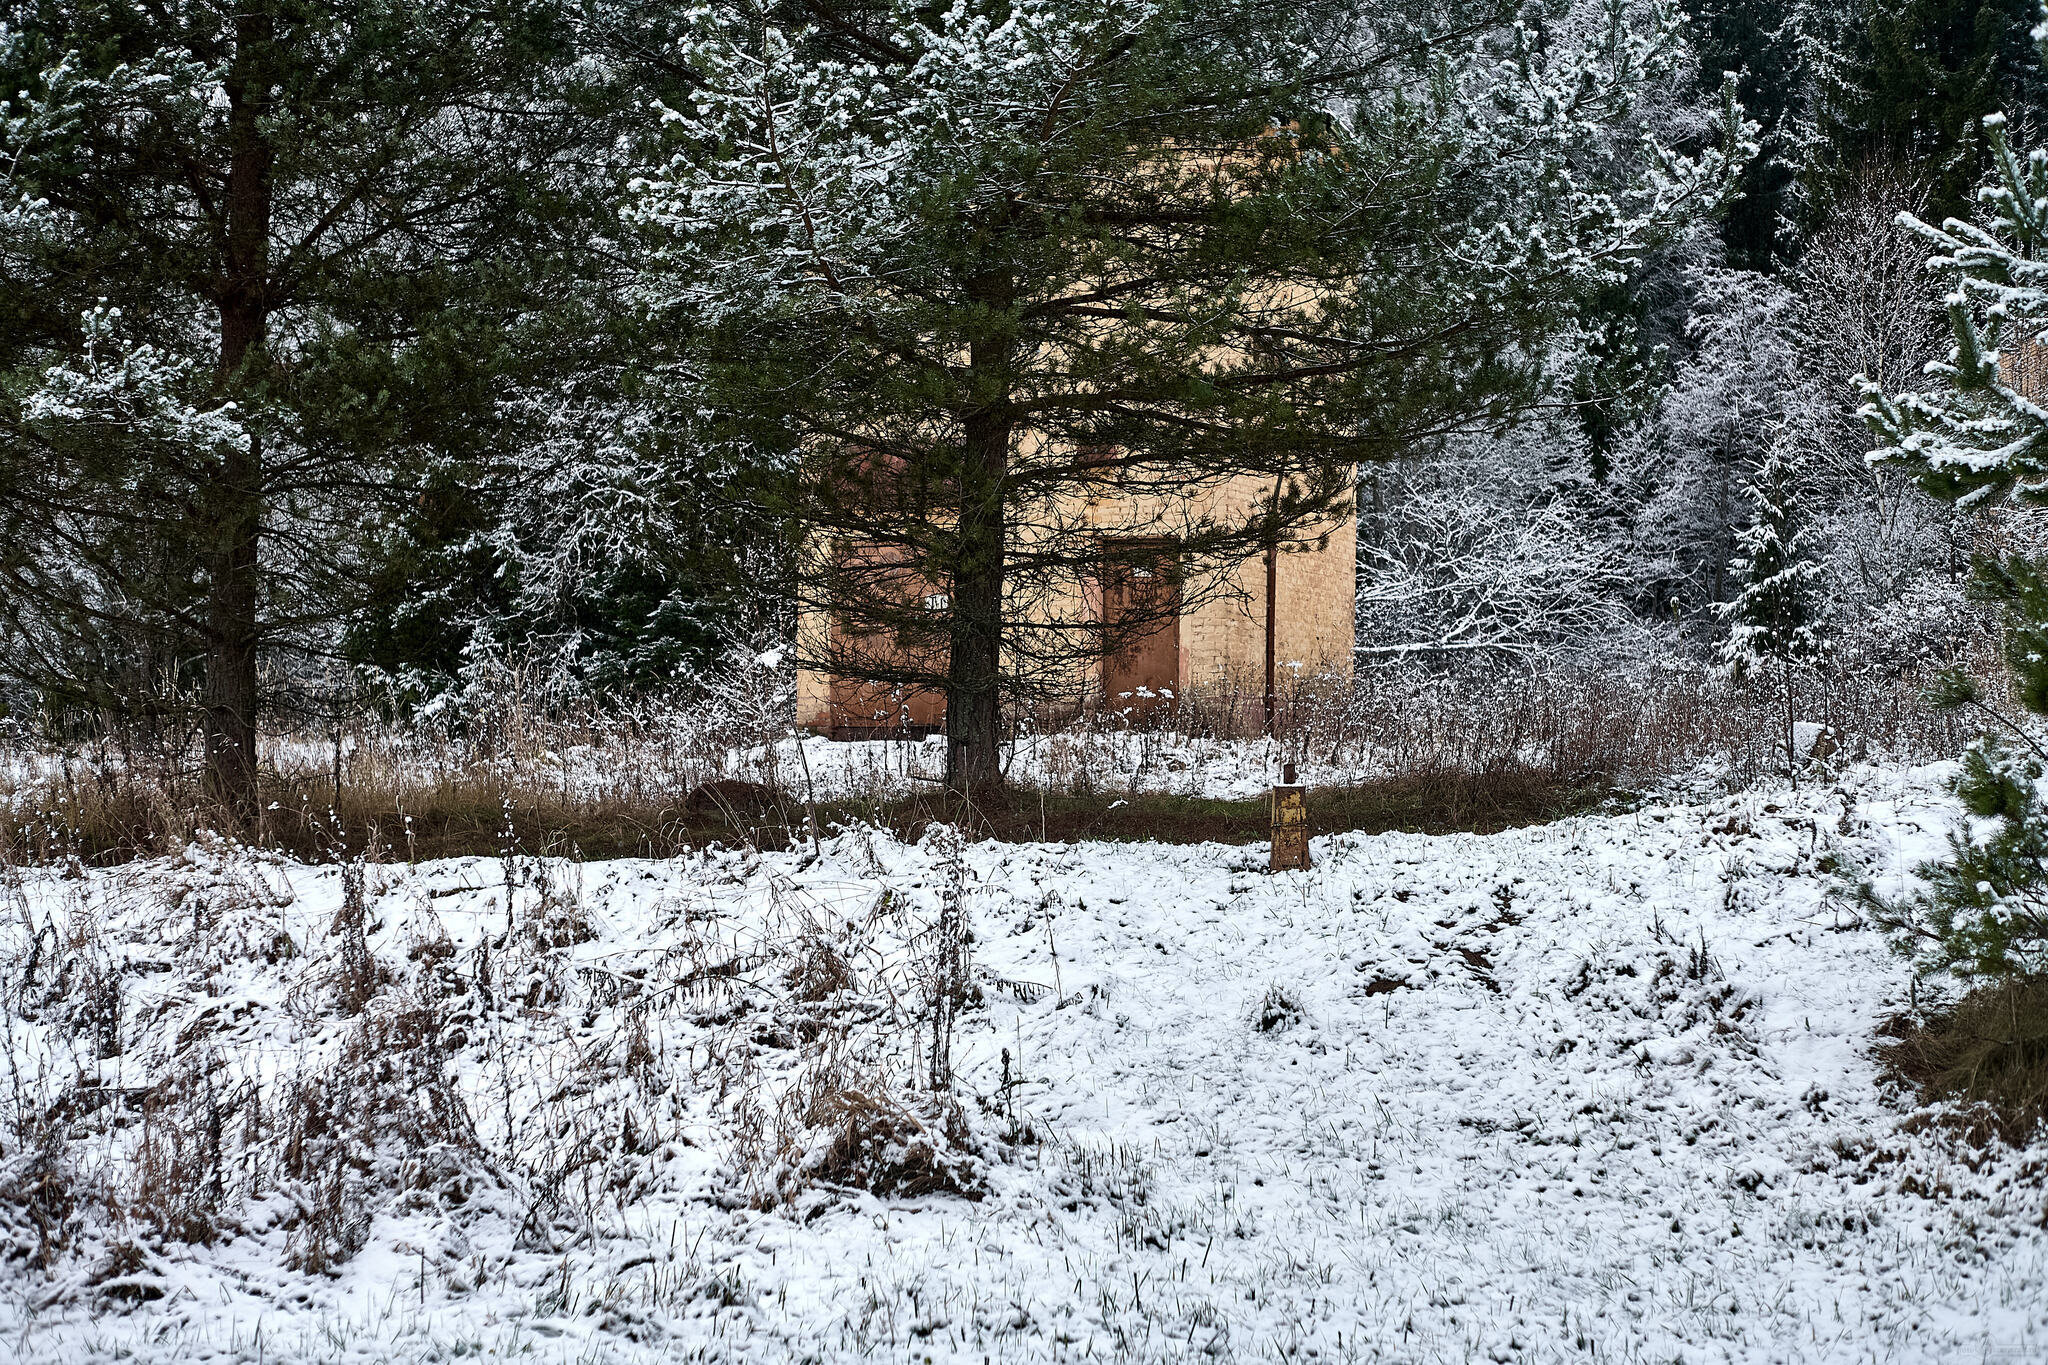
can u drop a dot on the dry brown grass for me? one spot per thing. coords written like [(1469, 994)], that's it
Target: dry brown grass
[(1581, 723), (1484, 750), (116, 815), (1987, 1052), (878, 1144)]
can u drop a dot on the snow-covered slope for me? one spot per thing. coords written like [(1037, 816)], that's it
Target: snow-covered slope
[(1600, 1090)]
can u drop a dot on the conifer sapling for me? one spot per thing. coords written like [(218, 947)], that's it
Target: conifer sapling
[(1980, 436), (1775, 624)]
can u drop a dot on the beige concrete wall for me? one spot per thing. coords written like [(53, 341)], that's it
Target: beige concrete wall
[(1222, 638), (813, 687)]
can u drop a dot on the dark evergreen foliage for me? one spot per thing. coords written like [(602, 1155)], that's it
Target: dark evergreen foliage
[(285, 257), (336, 300), (1976, 438), (1760, 41), (1909, 82)]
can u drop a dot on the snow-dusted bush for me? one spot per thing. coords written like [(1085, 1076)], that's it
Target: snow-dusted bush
[(1276, 1010)]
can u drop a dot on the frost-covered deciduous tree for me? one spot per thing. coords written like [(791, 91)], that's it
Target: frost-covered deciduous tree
[(959, 266), (597, 548), (1764, 366), (1893, 553), (1678, 477), (1863, 309), (1483, 554)]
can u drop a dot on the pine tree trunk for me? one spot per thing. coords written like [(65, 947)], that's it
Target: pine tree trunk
[(231, 689), (234, 508), (974, 671)]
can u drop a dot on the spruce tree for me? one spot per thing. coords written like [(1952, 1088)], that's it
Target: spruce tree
[(1775, 619), (1908, 82), (1759, 40), (1983, 911)]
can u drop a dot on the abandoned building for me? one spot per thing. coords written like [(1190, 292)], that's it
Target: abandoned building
[(1250, 629)]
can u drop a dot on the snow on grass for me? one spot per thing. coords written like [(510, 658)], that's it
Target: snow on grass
[(1077, 760), (1599, 1090)]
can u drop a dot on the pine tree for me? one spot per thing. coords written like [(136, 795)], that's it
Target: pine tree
[(266, 263), (1980, 437), (1982, 434), (1984, 911), (958, 267), (1775, 620)]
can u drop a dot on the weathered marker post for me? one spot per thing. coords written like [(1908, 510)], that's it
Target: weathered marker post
[(1290, 823)]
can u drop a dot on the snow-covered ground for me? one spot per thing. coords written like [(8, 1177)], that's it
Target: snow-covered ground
[(1076, 760), (1602, 1090), (1081, 760)]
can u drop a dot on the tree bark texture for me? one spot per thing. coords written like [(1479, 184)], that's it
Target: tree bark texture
[(233, 507), (974, 672)]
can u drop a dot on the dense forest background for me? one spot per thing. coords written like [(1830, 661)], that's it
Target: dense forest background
[(341, 373)]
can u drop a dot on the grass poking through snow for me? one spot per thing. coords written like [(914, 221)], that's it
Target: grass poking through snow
[(1606, 1088)]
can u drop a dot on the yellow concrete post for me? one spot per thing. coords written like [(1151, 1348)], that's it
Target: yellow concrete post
[(1290, 823)]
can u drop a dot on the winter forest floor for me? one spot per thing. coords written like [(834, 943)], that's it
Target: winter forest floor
[(1607, 1088), (1146, 787), (1435, 804)]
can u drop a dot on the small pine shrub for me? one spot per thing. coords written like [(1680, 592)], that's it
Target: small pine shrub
[(1976, 437), (1984, 912)]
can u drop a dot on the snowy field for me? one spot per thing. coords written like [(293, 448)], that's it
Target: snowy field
[(1127, 761), (1602, 1090), (1080, 760)]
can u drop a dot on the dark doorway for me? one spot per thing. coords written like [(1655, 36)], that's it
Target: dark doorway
[(862, 707), (1141, 615)]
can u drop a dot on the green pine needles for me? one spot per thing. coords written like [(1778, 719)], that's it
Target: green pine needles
[(1977, 438), (1984, 911)]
